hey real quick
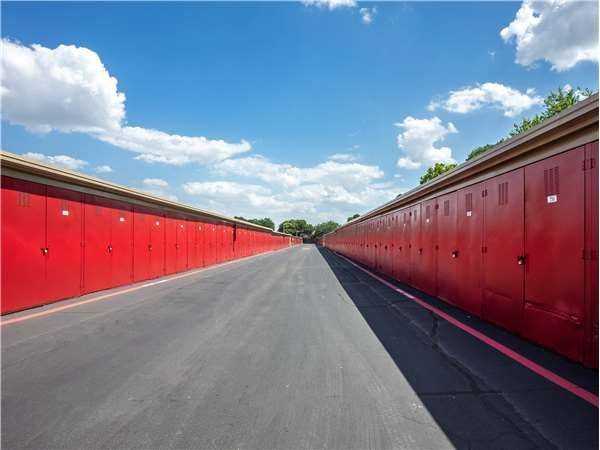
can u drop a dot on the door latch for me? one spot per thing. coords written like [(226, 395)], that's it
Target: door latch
[(109, 248), (455, 254), (521, 260), (44, 251)]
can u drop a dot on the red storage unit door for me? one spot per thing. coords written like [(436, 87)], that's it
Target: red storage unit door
[(591, 279), (181, 247), (387, 245), (554, 267), (447, 248), (193, 234), (402, 249), (591, 261), (200, 239), (121, 243), (158, 231), (142, 225), (469, 243), (97, 259), (64, 239), (210, 244), (503, 268), (428, 249), (414, 244), (170, 245), (23, 241)]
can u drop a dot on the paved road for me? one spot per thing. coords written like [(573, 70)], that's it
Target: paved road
[(291, 350)]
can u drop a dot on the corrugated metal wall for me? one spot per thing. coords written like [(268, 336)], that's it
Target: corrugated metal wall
[(519, 250), (59, 243)]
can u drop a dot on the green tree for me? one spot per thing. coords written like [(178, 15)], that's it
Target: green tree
[(324, 228), (479, 150), (296, 227), (436, 170), (555, 102), (352, 217), (265, 222)]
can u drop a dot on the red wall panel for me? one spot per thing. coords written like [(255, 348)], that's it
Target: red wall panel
[(97, 239), (447, 248), (121, 243), (158, 230), (64, 240), (591, 260), (181, 246), (142, 246), (503, 268), (428, 249), (470, 243), (554, 269), (414, 244), (23, 241), (170, 245)]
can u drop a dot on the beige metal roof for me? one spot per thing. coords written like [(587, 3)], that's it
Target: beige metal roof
[(18, 166)]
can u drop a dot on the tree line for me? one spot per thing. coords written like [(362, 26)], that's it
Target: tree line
[(298, 227), (555, 102)]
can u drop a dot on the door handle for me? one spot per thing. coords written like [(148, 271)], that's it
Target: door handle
[(420, 251), (521, 260), (455, 254), (109, 248), (44, 251), (149, 247)]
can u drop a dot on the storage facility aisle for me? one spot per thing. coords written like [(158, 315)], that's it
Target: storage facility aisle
[(292, 349)]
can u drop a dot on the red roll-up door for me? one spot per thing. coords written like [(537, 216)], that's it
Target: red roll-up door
[(121, 243), (591, 260), (23, 244), (158, 231), (447, 248), (64, 223), (142, 246), (503, 250), (554, 266), (469, 243), (96, 250)]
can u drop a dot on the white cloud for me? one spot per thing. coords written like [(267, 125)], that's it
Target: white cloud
[(328, 190), (330, 172), (418, 140), (561, 32), (331, 4), (68, 89), (103, 169), (368, 15), (159, 188), (155, 182), (511, 101), (343, 157), (61, 161), (157, 146)]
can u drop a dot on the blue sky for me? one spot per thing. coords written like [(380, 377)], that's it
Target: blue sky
[(289, 109)]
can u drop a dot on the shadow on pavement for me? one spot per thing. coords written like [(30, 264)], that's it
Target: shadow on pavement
[(479, 397)]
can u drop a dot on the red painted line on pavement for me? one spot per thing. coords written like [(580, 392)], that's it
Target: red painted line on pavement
[(125, 291), (524, 361)]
